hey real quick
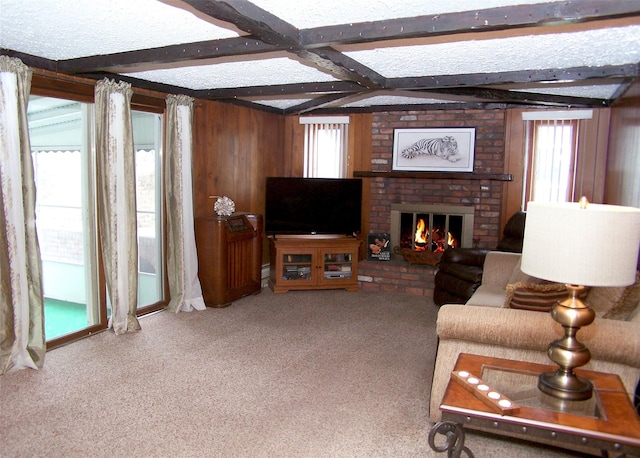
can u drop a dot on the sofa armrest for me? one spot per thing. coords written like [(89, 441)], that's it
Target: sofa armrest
[(498, 267), (464, 256), (608, 340)]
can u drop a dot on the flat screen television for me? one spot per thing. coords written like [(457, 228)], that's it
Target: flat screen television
[(303, 206)]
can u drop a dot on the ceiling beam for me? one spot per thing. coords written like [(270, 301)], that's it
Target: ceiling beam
[(519, 97), (314, 104), (31, 60), (520, 76), (474, 21), (433, 82), (418, 107), (251, 19), (622, 88), (368, 77), (142, 84), (279, 90), (272, 30), (212, 49)]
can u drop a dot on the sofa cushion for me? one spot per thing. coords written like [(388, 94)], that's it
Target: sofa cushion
[(534, 296), (518, 276), (627, 303), (488, 295), (615, 302)]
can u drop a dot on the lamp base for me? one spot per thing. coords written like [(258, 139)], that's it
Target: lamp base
[(568, 352), (568, 387)]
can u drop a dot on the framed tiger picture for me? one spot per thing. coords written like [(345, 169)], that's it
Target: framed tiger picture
[(439, 149)]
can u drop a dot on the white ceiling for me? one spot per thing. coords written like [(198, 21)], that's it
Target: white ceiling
[(72, 29)]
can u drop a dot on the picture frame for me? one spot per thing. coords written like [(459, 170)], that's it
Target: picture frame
[(441, 149)]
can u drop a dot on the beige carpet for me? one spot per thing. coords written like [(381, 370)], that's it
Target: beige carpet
[(304, 374)]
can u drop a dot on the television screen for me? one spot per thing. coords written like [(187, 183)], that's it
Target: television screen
[(312, 205)]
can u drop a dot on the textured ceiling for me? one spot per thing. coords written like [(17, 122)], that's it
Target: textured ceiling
[(303, 56)]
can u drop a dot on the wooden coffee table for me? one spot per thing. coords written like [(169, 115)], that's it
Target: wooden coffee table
[(606, 422)]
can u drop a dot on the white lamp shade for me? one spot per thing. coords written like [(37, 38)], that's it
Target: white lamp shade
[(593, 246)]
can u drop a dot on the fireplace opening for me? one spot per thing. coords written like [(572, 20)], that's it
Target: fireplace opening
[(430, 230)]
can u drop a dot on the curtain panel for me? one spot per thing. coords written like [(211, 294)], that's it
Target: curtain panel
[(115, 157), (22, 340), (182, 258)]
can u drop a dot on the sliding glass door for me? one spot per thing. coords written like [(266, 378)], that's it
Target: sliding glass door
[(65, 218), (147, 139), (62, 149)]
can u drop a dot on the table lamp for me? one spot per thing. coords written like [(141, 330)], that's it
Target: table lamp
[(578, 244)]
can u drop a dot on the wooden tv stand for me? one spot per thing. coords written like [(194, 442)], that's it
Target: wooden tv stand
[(313, 262)]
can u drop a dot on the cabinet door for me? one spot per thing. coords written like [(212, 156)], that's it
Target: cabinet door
[(337, 265), (297, 266)]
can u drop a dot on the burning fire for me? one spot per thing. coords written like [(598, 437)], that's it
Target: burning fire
[(437, 240), (421, 234)]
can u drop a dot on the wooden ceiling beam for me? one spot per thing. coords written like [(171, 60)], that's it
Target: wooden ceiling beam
[(251, 19), (314, 104), (520, 76), (273, 30), (434, 82), (278, 90), (142, 84), (519, 97), (212, 49), (31, 60), (474, 21)]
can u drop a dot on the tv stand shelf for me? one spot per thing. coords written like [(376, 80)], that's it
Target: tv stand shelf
[(313, 262)]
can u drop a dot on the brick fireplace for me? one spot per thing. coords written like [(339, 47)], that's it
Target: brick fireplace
[(484, 196)]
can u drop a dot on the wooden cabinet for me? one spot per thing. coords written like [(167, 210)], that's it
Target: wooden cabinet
[(229, 256), (299, 263)]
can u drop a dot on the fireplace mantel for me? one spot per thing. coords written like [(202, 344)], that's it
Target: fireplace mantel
[(435, 175)]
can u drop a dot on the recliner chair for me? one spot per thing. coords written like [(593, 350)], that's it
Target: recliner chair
[(460, 269)]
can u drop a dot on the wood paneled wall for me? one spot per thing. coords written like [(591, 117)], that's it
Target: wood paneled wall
[(623, 166), (235, 149), (360, 153)]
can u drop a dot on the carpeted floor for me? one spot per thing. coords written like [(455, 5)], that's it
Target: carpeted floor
[(303, 374)]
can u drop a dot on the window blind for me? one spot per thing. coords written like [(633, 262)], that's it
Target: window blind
[(551, 159), (325, 146)]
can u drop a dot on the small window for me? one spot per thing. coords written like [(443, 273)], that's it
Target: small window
[(325, 146), (552, 155)]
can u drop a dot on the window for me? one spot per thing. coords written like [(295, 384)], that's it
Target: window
[(552, 155), (325, 146)]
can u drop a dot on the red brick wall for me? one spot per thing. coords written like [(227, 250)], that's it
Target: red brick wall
[(484, 195)]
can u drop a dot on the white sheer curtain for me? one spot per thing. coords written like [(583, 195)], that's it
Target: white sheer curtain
[(182, 259), (22, 341), (116, 201)]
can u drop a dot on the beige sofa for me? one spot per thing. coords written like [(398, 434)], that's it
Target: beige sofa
[(484, 326)]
